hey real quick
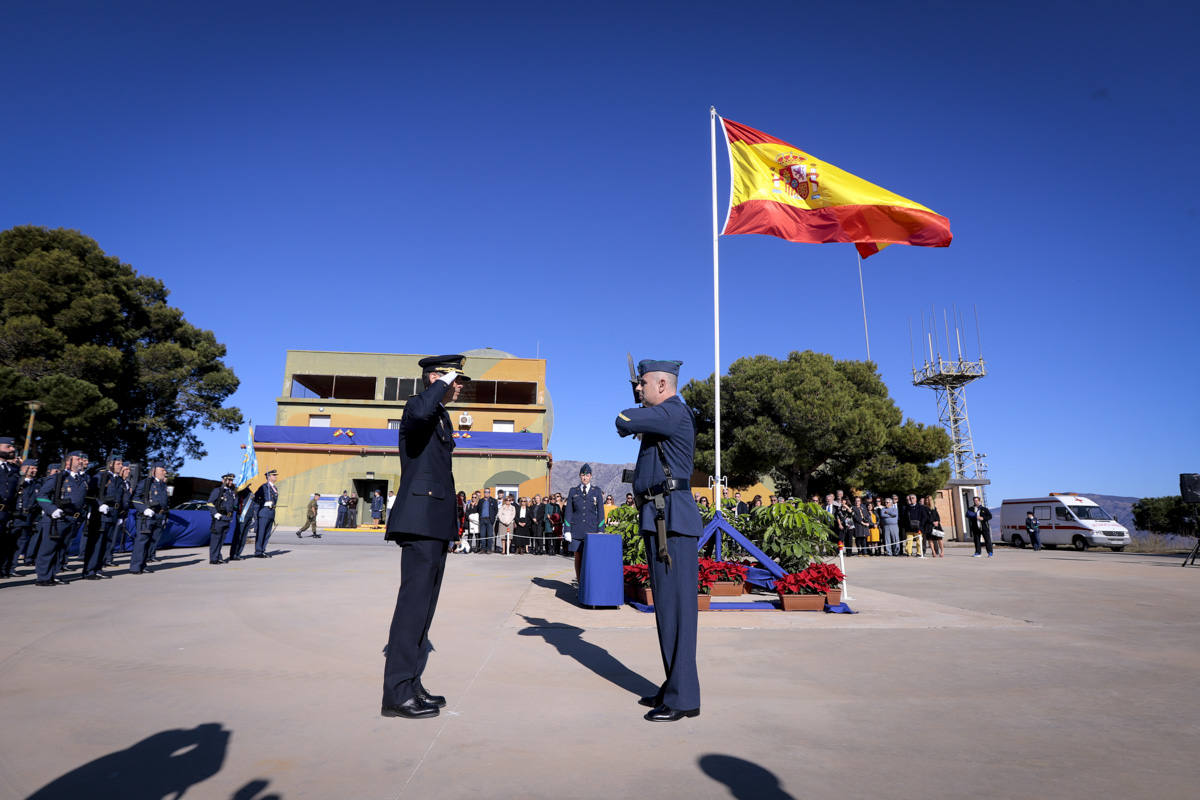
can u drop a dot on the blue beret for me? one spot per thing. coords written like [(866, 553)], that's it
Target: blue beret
[(29, 462), (586, 469), (75, 453), (650, 365), (6, 440)]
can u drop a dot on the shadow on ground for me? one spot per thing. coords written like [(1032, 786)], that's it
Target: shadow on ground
[(745, 779), (562, 591), (569, 641)]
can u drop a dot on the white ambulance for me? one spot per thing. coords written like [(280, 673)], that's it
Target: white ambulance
[(1063, 518)]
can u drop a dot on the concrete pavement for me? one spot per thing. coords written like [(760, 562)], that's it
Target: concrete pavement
[(1056, 674)]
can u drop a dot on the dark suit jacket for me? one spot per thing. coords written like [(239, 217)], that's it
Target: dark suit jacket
[(426, 503)]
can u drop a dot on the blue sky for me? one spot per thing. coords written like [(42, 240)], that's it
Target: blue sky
[(437, 177)]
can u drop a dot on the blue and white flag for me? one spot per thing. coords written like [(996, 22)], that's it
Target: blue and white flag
[(249, 460)]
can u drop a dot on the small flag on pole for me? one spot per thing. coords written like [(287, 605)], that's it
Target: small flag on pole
[(780, 190), (249, 460)]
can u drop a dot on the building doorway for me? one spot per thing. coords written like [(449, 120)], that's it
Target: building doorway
[(365, 489)]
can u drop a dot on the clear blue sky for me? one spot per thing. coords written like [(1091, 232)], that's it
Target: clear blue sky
[(535, 177)]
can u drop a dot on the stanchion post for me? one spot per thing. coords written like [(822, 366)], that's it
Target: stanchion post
[(842, 566)]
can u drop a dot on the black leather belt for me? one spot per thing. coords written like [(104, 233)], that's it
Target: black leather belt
[(666, 487)]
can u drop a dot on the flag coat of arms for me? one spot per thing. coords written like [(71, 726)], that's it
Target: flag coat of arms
[(249, 460), (780, 190)]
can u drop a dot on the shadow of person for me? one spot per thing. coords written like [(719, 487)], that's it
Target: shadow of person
[(162, 765), (563, 591), (251, 789), (568, 640), (745, 779)]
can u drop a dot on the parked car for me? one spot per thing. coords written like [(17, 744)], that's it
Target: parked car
[(1063, 518), (192, 505)]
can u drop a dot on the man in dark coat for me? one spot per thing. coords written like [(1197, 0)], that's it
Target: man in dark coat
[(223, 501), (150, 502), (423, 521), (106, 489), (63, 500), (583, 514), (10, 486), (488, 508), (266, 497), (979, 521), (668, 436), (24, 519), (917, 517)]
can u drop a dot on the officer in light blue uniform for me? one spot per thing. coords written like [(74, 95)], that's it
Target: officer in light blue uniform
[(63, 500), (584, 513), (664, 467), (150, 505)]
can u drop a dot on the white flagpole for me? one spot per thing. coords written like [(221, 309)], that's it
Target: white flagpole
[(863, 295), (712, 112)]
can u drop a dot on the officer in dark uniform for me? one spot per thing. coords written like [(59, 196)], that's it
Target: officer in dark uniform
[(104, 515), (10, 481), (584, 513), (266, 497), (664, 467), (423, 521), (120, 491), (24, 516), (63, 500), (150, 502), (223, 501)]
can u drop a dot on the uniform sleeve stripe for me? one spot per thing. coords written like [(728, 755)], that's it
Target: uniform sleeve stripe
[(622, 416)]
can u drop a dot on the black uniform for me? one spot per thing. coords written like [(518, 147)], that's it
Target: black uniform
[(224, 502), (120, 492), (10, 480), (63, 499), (151, 496), (266, 497), (423, 521), (24, 522), (670, 424), (108, 490)]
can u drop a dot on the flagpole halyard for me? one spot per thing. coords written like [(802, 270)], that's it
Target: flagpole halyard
[(712, 113), (863, 295)]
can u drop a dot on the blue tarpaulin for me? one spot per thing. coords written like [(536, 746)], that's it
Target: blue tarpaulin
[(385, 437)]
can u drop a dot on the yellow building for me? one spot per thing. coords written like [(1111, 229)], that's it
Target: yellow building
[(337, 416)]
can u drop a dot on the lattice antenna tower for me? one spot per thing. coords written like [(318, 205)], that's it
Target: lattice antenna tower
[(948, 376)]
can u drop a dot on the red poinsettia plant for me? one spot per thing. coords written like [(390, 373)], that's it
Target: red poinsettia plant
[(724, 571), (826, 573), (637, 575), (705, 577), (799, 583)]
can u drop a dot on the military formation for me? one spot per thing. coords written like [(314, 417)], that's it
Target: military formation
[(41, 517)]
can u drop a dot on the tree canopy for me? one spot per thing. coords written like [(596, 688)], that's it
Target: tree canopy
[(1166, 515), (116, 369), (813, 424)]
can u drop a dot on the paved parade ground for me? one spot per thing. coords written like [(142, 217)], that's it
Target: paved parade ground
[(1055, 674)]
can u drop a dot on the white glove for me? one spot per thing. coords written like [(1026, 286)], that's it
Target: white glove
[(217, 515), (269, 504), (567, 535), (57, 513), (147, 513), (449, 377), (103, 508)]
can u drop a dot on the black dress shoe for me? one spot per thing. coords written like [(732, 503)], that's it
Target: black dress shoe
[(413, 708), (234, 558), (435, 700), (93, 578), (653, 701), (45, 583), (667, 714), (298, 536), (260, 555), (215, 561), (316, 536)]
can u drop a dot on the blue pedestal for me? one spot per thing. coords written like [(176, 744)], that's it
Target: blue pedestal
[(600, 578)]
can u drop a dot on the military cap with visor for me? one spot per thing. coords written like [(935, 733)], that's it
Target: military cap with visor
[(444, 364)]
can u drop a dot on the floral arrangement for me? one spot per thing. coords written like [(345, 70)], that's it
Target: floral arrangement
[(725, 571), (705, 577), (637, 575), (826, 573)]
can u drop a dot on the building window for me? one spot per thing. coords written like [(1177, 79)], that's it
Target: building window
[(318, 420), (336, 387), (400, 389), (393, 424), (499, 392), (503, 425)]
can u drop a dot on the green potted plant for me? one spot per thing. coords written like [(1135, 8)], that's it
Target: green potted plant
[(800, 591)]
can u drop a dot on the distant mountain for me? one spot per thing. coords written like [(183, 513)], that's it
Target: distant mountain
[(565, 474)]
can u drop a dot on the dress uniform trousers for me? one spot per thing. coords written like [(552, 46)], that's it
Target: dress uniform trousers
[(266, 524), (8, 543), (21, 529), (95, 543), (116, 537), (148, 531), (240, 526), (677, 615), (52, 548), (422, 564), (216, 537)]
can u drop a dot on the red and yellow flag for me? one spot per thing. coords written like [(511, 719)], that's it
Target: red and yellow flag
[(782, 191)]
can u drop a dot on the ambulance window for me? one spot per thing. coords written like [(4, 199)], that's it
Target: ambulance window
[(1041, 512), (1061, 513)]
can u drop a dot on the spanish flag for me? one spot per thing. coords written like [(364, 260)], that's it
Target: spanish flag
[(782, 191)]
